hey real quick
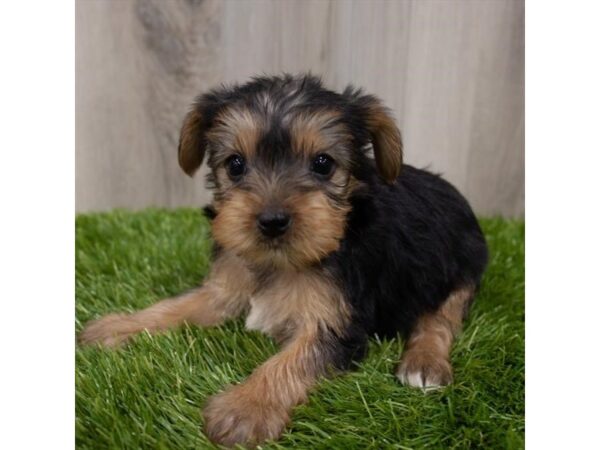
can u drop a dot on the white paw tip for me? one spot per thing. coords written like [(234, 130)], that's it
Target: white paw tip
[(416, 379)]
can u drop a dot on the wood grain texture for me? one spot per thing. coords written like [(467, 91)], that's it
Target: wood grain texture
[(451, 70)]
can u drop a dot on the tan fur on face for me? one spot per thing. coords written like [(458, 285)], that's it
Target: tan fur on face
[(317, 132), (237, 130), (260, 408), (234, 226), (322, 132), (224, 294), (318, 226), (426, 359), (316, 230)]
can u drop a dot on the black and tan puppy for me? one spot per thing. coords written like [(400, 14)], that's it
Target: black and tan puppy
[(323, 238)]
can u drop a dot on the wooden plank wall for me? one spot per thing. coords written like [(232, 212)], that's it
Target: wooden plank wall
[(452, 71)]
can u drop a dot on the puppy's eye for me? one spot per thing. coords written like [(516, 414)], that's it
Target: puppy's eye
[(323, 165), (236, 166)]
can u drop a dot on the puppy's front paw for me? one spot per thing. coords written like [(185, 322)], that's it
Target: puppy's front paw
[(239, 417), (111, 331), (424, 370)]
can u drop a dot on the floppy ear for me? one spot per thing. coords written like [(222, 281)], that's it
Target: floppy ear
[(192, 144), (385, 135)]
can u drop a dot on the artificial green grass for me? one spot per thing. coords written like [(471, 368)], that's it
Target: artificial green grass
[(149, 394)]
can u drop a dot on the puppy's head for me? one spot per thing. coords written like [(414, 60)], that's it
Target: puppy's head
[(285, 155)]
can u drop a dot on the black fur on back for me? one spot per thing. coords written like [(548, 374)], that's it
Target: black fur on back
[(407, 247)]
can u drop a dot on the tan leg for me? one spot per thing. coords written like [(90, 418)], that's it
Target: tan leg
[(426, 358), (224, 294), (259, 409)]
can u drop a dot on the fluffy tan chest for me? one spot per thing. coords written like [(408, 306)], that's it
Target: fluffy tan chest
[(296, 299)]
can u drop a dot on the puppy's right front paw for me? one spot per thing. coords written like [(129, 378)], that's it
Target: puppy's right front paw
[(110, 331)]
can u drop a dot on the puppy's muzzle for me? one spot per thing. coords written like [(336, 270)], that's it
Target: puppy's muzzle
[(273, 223)]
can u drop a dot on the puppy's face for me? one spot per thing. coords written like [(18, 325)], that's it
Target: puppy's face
[(283, 154), (282, 183)]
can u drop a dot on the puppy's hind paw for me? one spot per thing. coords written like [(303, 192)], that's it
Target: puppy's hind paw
[(424, 370)]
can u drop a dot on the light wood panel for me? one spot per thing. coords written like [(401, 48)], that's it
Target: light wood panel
[(452, 71)]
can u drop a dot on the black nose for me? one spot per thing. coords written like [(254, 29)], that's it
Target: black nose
[(273, 223)]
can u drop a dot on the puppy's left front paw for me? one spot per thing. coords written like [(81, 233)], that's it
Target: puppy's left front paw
[(239, 417)]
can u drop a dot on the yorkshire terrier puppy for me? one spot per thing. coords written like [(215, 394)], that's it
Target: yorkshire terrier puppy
[(323, 238)]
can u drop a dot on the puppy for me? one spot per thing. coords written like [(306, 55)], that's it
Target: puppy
[(323, 238)]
